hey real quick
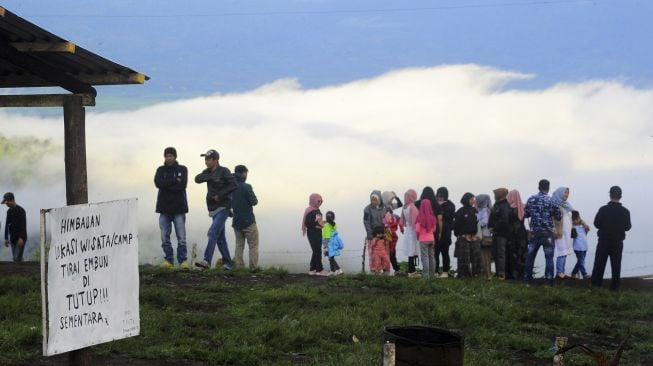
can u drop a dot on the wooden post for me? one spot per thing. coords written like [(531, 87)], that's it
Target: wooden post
[(389, 353), (364, 251), (76, 184), (559, 360)]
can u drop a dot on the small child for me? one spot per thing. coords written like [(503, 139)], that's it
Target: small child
[(330, 244), (392, 224), (379, 249), (579, 234)]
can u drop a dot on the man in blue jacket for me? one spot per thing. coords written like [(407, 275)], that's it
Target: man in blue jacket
[(243, 200), (171, 179)]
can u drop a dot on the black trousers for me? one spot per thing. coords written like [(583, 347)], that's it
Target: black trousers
[(393, 260), (442, 249), (412, 263), (333, 264), (605, 249), (316, 258)]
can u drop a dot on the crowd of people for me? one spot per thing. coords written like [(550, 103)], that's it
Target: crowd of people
[(508, 233)]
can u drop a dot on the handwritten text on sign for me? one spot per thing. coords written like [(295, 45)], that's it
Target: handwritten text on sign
[(92, 275)]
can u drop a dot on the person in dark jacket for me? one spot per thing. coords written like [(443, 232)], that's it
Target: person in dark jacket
[(171, 179), (219, 183), (499, 223), (442, 246), (243, 200), (15, 227), (468, 246), (612, 222)]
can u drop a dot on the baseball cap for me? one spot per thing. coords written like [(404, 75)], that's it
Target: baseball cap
[(8, 197), (211, 154)]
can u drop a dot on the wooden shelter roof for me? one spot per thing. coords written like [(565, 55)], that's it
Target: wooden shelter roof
[(30, 56)]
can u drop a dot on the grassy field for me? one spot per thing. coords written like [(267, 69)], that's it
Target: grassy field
[(275, 318)]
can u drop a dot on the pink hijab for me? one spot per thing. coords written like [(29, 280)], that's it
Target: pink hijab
[(425, 217), (312, 206), (409, 203), (514, 199)]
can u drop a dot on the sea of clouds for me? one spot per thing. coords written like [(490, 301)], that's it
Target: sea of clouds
[(467, 127)]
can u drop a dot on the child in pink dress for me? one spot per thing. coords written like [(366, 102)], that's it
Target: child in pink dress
[(379, 250)]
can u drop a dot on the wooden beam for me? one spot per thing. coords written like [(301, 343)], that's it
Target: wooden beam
[(42, 100), (23, 81), (64, 47), (43, 70)]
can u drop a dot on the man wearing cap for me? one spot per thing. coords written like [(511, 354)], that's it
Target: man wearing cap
[(219, 183), (244, 223), (15, 227), (171, 179), (541, 210), (612, 222)]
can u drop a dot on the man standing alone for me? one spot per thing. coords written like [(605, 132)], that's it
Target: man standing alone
[(243, 199), (219, 184), (15, 227), (171, 179), (612, 222)]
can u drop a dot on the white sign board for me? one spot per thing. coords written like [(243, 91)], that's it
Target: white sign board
[(92, 275)]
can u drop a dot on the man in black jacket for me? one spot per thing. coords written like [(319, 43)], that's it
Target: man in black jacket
[(499, 225), (244, 223), (171, 179), (219, 184), (612, 222), (15, 227)]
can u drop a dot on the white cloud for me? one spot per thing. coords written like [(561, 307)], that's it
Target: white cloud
[(457, 125)]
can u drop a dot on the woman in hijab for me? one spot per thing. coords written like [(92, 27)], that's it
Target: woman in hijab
[(425, 227), (468, 247), (312, 224), (518, 240), (410, 246), (564, 245), (429, 194)]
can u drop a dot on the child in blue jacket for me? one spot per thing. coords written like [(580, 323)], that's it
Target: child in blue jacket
[(331, 243)]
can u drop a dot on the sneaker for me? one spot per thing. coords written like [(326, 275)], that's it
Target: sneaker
[(322, 273), (587, 277), (203, 264), (227, 267), (184, 265), (338, 272), (444, 275), (331, 273), (414, 275), (312, 273), (167, 264)]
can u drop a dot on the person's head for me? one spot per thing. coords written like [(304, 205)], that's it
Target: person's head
[(442, 194), (428, 194), (331, 218), (500, 194), (169, 155), (575, 217), (242, 170), (378, 231), (315, 200), (9, 200), (375, 198), (615, 193), (483, 201), (468, 200), (388, 216), (544, 186), (211, 159)]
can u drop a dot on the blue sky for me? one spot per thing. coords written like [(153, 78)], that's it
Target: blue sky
[(202, 47)]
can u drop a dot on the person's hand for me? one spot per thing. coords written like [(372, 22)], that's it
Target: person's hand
[(20, 242)]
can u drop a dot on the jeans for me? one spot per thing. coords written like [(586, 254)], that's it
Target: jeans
[(250, 234), (17, 251), (427, 252), (217, 237), (560, 264), (544, 240), (165, 224), (580, 263)]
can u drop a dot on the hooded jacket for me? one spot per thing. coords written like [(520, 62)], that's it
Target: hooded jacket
[(500, 218), (171, 180), (242, 201), (373, 216), (219, 184), (466, 222)]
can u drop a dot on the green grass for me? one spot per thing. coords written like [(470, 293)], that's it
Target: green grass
[(275, 318)]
